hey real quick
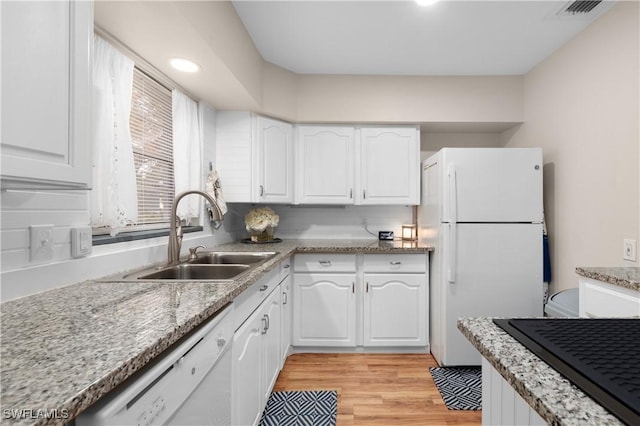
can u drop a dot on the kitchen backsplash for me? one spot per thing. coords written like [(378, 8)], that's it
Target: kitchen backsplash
[(315, 222)]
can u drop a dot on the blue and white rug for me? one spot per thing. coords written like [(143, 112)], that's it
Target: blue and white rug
[(301, 408), (460, 387)]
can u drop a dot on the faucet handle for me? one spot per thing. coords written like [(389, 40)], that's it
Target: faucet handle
[(193, 252)]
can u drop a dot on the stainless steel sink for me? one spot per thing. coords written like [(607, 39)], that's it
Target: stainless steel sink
[(196, 272), (209, 266), (246, 258)]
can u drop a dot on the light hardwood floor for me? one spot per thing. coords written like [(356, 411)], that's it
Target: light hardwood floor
[(375, 389)]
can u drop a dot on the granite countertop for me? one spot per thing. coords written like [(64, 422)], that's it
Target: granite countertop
[(627, 277), (63, 349), (552, 396)]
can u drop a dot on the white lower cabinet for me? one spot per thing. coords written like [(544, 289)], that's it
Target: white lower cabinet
[(395, 308), (601, 299), (256, 358), (501, 404), (324, 310), (286, 302), (382, 302)]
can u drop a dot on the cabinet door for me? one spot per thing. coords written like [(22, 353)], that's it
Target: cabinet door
[(271, 342), (389, 166), (395, 310), (324, 310), (46, 88), (324, 169), (274, 141), (247, 392), (286, 301), (234, 155)]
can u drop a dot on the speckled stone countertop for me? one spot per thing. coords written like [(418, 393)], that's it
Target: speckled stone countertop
[(623, 277), (63, 349), (552, 396)]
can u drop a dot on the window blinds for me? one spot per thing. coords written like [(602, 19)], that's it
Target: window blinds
[(151, 135)]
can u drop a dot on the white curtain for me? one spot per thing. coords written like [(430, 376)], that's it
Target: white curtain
[(186, 153), (113, 199)]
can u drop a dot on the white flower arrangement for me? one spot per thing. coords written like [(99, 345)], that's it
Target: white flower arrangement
[(257, 220)]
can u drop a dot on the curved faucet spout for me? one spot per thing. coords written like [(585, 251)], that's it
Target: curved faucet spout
[(175, 231)]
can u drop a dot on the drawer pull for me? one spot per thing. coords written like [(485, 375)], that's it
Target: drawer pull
[(353, 287), (325, 263), (286, 266), (367, 286), (264, 287), (395, 263), (286, 298)]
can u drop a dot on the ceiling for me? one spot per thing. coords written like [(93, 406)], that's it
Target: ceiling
[(400, 37), (231, 40)]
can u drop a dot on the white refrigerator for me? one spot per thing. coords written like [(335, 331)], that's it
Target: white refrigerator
[(481, 210)]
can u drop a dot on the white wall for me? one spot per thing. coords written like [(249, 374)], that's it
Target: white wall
[(581, 105), (430, 143), (407, 99), (66, 209)]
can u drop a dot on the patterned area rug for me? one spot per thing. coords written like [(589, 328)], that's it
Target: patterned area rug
[(301, 408), (460, 387)]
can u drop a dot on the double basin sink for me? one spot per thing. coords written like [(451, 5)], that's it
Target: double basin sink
[(208, 266)]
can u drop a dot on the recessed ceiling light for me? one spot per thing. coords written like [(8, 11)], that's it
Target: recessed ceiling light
[(184, 65), (426, 2)]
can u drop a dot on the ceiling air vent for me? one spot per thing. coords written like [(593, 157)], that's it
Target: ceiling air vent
[(579, 7)]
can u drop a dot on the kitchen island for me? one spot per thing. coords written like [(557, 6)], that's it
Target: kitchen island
[(549, 394), (64, 349)]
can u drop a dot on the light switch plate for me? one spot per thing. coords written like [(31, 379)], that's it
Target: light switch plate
[(40, 243), (81, 241)]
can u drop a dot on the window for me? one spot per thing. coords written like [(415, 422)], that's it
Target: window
[(152, 139)]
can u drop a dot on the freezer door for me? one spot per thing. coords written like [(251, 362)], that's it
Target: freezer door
[(498, 273), (492, 184)]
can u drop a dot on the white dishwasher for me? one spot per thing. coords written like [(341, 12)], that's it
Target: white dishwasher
[(190, 385)]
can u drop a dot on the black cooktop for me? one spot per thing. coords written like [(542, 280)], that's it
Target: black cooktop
[(599, 355)]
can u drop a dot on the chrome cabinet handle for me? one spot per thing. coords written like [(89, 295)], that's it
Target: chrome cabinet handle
[(286, 298), (268, 324), (325, 262), (367, 286), (261, 190), (395, 263), (351, 193), (286, 266), (353, 286), (364, 193), (265, 321), (264, 287)]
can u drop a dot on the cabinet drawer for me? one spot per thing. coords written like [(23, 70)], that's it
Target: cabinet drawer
[(599, 299), (319, 262), (394, 263), (252, 297)]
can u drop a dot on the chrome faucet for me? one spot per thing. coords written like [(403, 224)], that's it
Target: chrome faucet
[(175, 228)]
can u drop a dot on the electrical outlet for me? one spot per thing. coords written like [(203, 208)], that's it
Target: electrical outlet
[(629, 250), (41, 243)]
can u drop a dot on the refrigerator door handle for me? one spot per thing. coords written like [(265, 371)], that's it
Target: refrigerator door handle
[(451, 273), (453, 224), (453, 193)]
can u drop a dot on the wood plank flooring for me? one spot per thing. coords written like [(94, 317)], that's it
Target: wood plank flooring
[(375, 389)]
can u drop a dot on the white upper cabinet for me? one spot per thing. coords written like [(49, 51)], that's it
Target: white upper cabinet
[(325, 164), (389, 166), (46, 87), (275, 160), (254, 158), (349, 165)]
